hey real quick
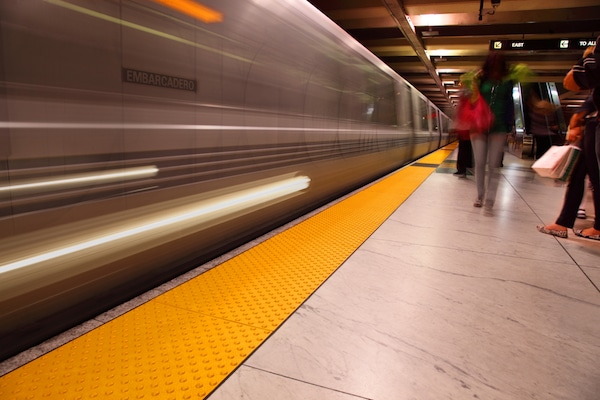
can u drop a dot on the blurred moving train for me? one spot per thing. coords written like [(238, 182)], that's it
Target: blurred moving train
[(141, 138)]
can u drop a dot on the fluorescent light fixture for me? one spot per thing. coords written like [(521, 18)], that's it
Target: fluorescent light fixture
[(431, 20), (199, 213), (429, 33)]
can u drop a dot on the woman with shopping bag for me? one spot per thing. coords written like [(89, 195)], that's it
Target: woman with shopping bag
[(582, 129)]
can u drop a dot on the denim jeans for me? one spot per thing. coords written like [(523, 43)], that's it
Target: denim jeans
[(487, 151)]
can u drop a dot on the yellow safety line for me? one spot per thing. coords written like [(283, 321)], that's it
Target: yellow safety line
[(437, 157), (185, 342)]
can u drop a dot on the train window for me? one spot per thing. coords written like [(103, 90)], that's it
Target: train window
[(384, 105), (445, 124), (434, 117), (423, 114), (405, 115), (368, 100)]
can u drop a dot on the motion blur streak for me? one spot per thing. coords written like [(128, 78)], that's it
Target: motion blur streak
[(193, 9), (66, 125), (142, 28), (233, 202), (77, 179)]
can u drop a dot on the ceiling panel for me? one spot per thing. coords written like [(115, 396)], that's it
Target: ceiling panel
[(431, 43)]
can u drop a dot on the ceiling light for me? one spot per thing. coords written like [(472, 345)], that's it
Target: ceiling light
[(430, 33)]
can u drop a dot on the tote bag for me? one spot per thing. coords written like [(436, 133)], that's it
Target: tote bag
[(474, 116), (557, 162)]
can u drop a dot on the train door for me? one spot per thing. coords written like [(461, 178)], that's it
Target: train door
[(403, 107), (434, 128), (422, 129)]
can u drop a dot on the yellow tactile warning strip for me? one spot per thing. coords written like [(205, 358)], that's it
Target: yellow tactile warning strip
[(184, 343), (437, 157)]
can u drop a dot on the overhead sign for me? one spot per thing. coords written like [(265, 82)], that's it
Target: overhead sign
[(154, 79), (543, 44)]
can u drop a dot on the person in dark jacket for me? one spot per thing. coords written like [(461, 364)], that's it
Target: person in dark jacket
[(586, 75), (582, 128)]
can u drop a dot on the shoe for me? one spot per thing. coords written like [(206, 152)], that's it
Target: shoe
[(561, 234), (488, 208), (478, 203), (460, 174), (581, 213), (579, 232)]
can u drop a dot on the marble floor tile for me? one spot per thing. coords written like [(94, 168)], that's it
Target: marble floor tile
[(385, 329), (446, 302), (593, 273), (507, 233), (253, 384)]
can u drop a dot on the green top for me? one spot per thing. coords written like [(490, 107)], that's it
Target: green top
[(498, 95)]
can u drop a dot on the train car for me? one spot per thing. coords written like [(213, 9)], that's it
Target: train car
[(139, 139)]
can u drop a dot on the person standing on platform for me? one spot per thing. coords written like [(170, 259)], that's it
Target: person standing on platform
[(584, 130), (494, 85), (543, 125), (586, 75), (464, 158)]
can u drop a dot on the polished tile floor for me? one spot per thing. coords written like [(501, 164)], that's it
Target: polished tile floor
[(446, 302)]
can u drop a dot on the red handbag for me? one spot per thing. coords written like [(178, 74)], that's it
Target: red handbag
[(476, 117)]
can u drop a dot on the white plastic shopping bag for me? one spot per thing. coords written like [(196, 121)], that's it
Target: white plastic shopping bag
[(557, 162)]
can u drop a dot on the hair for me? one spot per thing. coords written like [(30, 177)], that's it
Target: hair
[(495, 59)]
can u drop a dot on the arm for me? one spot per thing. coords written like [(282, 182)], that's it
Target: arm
[(575, 131), (586, 73), (577, 121)]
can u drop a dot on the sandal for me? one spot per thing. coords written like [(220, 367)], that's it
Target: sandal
[(579, 232), (478, 203), (554, 232)]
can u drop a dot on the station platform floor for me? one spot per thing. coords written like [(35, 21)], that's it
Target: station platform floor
[(401, 290)]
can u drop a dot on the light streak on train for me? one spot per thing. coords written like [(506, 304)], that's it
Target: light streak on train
[(82, 179), (201, 212)]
